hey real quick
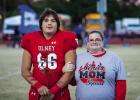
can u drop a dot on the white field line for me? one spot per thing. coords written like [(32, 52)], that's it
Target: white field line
[(9, 75)]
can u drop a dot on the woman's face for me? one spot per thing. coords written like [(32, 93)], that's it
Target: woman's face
[(95, 42), (49, 25)]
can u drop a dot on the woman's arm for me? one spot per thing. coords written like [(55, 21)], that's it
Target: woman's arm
[(120, 89)]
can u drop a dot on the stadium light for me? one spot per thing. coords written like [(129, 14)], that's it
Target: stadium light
[(37, 0), (67, 0)]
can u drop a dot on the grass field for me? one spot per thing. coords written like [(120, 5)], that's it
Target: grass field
[(14, 87)]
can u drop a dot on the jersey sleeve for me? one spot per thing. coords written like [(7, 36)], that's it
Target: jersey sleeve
[(25, 43), (72, 42)]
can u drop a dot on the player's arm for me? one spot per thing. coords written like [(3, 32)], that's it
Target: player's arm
[(70, 58), (26, 73), (26, 68)]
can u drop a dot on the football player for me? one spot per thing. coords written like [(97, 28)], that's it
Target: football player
[(48, 60)]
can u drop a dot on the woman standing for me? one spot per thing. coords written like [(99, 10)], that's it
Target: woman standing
[(99, 74)]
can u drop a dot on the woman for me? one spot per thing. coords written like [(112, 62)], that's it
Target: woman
[(99, 73), (48, 50)]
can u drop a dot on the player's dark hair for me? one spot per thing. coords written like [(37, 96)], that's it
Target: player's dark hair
[(97, 32), (46, 12)]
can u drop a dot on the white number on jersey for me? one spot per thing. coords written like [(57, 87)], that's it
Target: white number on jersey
[(51, 61)]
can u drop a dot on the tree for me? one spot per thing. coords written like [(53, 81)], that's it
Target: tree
[(76, 8), (117, 9), (120, 9)]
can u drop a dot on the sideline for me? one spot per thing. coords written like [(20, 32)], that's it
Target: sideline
[(9, 75)]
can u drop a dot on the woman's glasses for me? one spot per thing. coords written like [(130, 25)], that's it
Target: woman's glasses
[(95, 40)]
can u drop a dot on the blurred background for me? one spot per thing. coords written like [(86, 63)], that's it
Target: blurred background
[(119, 20)]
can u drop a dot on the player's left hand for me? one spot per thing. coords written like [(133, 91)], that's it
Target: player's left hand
[(51, 96), (44, 97), (47, 97)]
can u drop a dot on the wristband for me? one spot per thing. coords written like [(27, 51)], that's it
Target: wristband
[(37, 85), (55, 89)]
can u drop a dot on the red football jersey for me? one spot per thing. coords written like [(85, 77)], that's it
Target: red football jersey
[(48, 55)]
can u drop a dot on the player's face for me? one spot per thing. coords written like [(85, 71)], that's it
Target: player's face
[(49, 25), (95, 42)]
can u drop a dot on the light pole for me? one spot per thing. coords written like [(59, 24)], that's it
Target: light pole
[(3, 14), (102, 8)]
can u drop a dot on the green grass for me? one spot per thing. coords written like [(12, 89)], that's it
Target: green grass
[(14, 87)]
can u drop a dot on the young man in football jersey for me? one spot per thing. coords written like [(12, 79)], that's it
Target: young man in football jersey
[(49, 51), (100, 73)]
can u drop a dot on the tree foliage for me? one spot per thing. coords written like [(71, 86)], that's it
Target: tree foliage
[(76, 8)]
